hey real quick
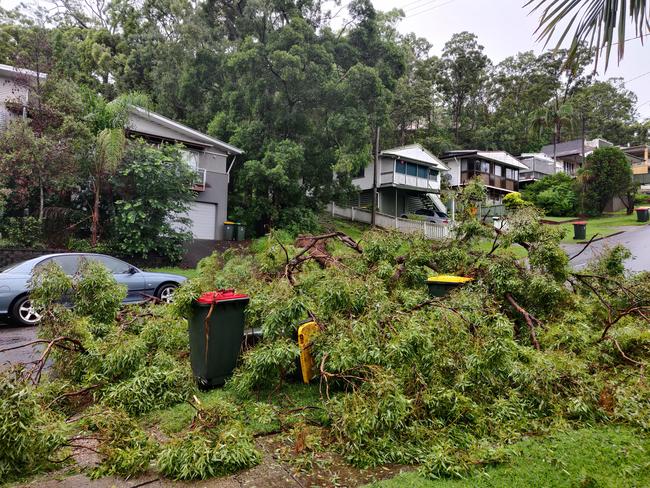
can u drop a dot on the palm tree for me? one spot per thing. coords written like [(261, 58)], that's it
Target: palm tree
[(555, 115), (592, 22), (108, 121)]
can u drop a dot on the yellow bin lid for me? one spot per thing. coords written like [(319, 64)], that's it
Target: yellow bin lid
[(448, 279), (228, 222)]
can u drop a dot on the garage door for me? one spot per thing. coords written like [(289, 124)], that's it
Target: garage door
[(204, 220)]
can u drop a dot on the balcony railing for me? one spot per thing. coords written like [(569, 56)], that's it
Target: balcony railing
[(200, 181), (409, 180)]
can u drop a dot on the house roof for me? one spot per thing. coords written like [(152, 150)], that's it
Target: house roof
[(13, 72), (497, 156), (415, 153), (193, 135)]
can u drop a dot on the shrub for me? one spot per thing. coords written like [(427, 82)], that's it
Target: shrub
[(22, 231), (555, 194), (513, 201)]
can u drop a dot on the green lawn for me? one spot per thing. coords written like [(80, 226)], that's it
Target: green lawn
[(606, 456), (603, 226), (515, 250)]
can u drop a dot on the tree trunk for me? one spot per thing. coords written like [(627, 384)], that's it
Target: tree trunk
[(95, 222), (41, 203)]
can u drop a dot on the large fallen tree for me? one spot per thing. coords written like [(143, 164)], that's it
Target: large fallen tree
[(449, 383)]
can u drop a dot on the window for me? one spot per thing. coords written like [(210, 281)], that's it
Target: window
[(509, 174), (400, 167), (498, 170), (433, 174), (411, 169), (423, 172), (191, 158), (69, 264), (515, 174), (463, 165), (485, 167), (115, 266)]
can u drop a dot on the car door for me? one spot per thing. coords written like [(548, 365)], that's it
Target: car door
[(124, 274)]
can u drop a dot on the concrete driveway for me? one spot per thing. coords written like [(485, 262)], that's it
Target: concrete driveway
[(636, 239)]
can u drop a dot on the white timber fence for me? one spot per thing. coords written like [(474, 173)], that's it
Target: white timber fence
[(408, 226)]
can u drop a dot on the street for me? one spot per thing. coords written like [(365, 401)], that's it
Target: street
[(14, 336), (636, 239)]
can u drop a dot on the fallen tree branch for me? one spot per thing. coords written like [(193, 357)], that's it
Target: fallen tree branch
[(530, 320), (584, 248), (74, 393), (629, 359)]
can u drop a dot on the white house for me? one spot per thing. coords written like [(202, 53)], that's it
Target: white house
[(408, 178)]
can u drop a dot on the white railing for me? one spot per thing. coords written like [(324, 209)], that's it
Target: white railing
[(408, 226), (409, 180)]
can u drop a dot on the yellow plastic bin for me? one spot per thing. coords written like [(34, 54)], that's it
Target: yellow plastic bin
[(306, 333), (441, 285)]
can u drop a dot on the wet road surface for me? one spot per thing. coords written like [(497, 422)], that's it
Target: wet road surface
[(14, 336), (636, 239)]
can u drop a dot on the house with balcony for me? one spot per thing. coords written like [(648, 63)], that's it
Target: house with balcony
[(17, 87), (639, 157), (211, 158), (498, 170), (570, 155), (408, 179), (538, 166)]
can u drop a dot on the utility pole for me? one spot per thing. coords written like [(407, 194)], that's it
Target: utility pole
[(374, 178), (583, 139)]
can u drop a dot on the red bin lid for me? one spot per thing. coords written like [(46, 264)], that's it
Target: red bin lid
[(580, 222), (220, 296)]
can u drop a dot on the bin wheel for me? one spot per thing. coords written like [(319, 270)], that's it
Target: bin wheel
[(166, 292)]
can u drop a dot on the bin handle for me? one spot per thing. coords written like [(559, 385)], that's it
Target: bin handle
[(206, 329)]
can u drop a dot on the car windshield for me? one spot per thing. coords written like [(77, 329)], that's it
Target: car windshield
[(442, 215)]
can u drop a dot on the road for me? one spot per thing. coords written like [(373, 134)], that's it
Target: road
[(14, 336), (636, 239)]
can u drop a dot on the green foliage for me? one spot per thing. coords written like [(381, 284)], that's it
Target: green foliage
[(30, 435), (152, 186), (555, 194), (218, 451), (126, 449), (93, 291), (514, 201), (21, 231), (606, 174)]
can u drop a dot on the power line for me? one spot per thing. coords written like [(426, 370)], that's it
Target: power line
[(411, 3), (637, 77), (415, 14), (425, 5)]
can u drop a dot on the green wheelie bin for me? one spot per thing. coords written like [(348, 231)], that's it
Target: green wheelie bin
[(216, 331), (229, 231), (240, 232), (441, 285), (580, 230), (642, 214)]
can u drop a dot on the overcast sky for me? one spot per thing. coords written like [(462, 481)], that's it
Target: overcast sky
[(504, 28)]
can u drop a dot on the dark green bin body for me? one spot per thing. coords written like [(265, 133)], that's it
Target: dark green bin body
[(226, 331), (442, 289), (241, 232), (642, 215), (228, 232), (579, 231)]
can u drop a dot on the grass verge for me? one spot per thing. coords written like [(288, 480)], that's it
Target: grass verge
[(601, 456), (604, 225)]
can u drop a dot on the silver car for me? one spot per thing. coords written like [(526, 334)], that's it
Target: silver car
[(14, 282)]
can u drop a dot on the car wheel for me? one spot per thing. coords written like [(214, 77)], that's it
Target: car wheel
[(166, 292), (23, 312)]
